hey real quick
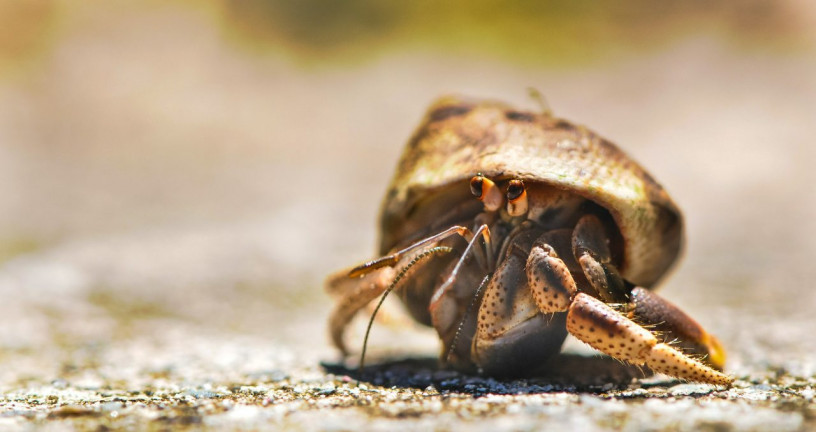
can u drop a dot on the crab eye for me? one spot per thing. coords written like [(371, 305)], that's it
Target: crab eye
[(514, 190), (477, 186), (486, 191), (516, 198)]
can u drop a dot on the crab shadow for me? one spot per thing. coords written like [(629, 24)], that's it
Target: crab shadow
[(565, 372)]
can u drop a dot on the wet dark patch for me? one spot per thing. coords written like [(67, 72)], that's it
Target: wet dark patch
[(449, 111), (520, 116)]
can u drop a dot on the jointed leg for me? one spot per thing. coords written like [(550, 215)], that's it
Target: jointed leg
[(590, 245), (591, 249), (483, 231), (362, 284), (393, 259), (607, 330), (354, 294)]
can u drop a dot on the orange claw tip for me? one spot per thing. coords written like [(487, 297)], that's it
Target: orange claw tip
[(716, 356)]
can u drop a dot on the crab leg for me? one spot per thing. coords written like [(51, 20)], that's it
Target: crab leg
[(550, 281), (484, 231), (591, 249), (356, 294), (362, 284), (393, 259), (443, 305), (606, 330), (603, 328)]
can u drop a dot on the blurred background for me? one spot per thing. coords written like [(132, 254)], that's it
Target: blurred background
[(178, 178)]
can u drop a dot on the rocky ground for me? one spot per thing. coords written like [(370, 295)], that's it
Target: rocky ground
[(165, 232)]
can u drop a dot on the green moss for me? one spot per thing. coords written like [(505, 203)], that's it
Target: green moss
[(559, 32)]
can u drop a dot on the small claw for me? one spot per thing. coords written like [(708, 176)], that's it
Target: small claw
[(550, 281), (596, 275), (590, 246), (589, 237)]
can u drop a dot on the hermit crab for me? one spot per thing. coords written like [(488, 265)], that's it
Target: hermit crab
[(505, 230)]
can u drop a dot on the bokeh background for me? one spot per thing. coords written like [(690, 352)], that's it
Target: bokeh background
[(178, 178)]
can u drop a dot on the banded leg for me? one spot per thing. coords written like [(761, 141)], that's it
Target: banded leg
[(392, 259)]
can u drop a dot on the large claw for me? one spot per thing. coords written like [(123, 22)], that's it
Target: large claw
[(606, 330), (609, 331)]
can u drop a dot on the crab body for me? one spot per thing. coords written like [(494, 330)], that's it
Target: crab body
[(505, 230)]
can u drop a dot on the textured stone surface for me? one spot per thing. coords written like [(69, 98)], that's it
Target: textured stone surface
[(169, 207)]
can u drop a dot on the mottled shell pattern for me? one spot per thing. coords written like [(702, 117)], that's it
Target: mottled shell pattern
[(459, 138)]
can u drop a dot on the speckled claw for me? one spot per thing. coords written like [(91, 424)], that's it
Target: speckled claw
[(606, 330), (672, 324), (551, 283), (667, 360)]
